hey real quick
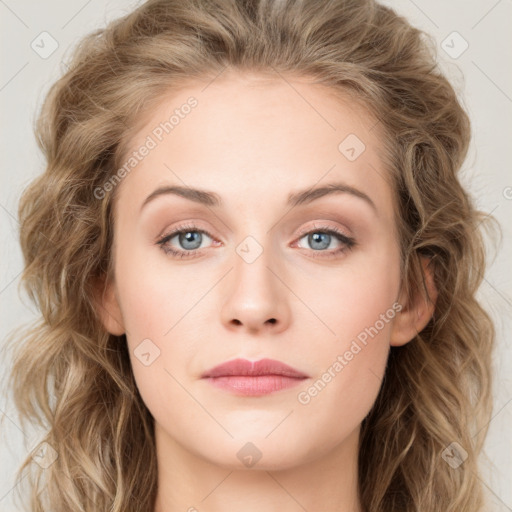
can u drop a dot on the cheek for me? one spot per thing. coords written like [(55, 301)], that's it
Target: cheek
[(346, 300), (346, 386), (359, 306), (158, 308), (153, 298)]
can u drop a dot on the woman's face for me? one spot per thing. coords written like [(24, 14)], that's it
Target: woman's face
[(269, 269)]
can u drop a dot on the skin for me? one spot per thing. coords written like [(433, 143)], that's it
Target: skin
[(253, 142)]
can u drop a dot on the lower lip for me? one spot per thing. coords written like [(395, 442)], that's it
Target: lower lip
[(254, 385)]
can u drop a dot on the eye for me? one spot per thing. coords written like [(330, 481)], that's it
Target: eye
[(189, 237), (321, 237)]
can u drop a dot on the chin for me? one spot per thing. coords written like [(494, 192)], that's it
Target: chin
[(256, 453)]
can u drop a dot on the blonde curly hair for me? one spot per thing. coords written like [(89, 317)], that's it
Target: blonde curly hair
[(73, 378)]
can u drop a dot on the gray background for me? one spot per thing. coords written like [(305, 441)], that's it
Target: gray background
[(481, 74)]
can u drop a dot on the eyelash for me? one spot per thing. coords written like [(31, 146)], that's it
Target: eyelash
[(349, 242)]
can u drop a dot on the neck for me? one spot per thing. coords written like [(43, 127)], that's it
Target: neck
[(187, 482)]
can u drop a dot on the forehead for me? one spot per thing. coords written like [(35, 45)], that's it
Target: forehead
[(253, 136)]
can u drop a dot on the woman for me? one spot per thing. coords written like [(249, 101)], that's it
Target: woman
[(200, 352)]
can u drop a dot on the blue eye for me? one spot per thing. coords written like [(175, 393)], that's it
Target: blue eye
[(190, 238), (320, 238)]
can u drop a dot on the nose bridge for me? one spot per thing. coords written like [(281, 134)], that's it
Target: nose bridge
[(254, 296), (252, 262)]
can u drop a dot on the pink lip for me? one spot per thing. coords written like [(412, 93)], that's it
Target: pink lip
[(244, 377)]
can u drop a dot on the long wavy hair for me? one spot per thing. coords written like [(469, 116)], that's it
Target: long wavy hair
[(74, 379)]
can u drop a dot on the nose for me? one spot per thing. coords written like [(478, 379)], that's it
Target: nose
[(255, 296)]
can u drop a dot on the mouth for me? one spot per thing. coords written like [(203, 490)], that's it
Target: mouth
[(253, 378)]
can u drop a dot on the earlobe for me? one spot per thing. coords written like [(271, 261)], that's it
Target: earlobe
[(416, 314), (107, 307)]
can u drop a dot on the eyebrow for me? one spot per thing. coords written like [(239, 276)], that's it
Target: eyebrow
[(301, 197)]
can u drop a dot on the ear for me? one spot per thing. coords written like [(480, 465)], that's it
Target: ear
[(416, 312), (107, 306)]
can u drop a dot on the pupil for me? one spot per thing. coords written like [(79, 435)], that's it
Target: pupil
[(189, 239), (316, 238)]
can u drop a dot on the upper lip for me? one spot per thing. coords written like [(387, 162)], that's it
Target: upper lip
[(253, 368)]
